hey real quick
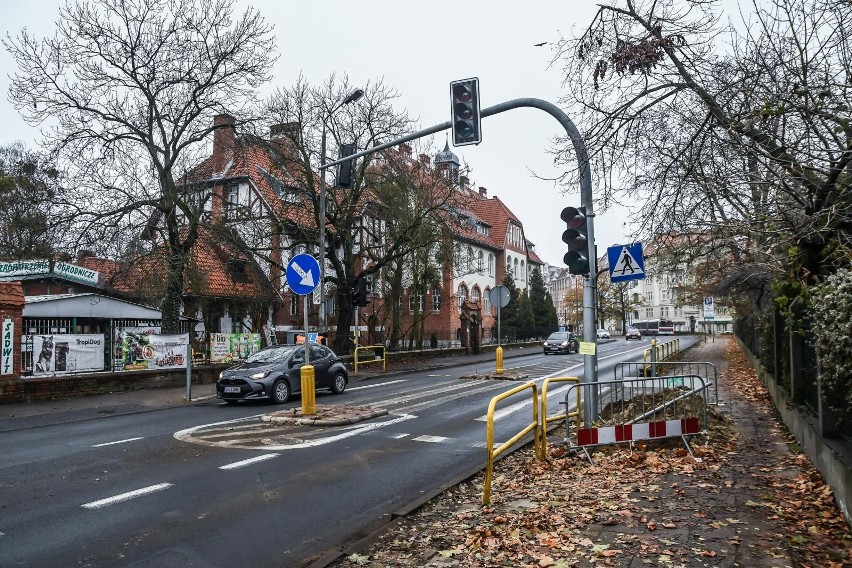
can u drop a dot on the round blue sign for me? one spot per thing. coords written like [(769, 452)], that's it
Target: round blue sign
[(303, 274)]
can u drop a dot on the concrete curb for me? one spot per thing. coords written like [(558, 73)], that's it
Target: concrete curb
[(332, 415)]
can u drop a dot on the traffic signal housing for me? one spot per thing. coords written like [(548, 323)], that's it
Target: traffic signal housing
[(346, 170), (576, 236), (464, 100), (359, 292)]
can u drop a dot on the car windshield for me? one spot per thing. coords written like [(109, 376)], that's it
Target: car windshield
[(271, 355), (563, 335)]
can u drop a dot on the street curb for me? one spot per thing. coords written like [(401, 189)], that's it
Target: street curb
[(358, 414)]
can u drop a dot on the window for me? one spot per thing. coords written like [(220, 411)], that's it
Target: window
[(490, 264), (474, 295), (649, 312), (462, 294), (412, 297), (522, 270), (470, 266), (479, 263), (509, 265), (487, 301), (294, 305), (436, 300), (516, 273)]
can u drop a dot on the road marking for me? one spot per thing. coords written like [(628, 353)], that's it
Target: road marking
[(186, 435), (430, 439), (377, 385), (126, 496), (249, 461), (398, 436), (116, 442)]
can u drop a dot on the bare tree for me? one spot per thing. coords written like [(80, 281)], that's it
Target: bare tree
[(736, 138), (129, 91)]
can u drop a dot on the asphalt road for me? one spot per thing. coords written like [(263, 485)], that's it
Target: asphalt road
[(209, 485)]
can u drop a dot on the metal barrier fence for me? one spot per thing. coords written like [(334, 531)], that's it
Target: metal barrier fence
[(545, 419), (371, 351), (489, 434), (646, 408), (705, 369)]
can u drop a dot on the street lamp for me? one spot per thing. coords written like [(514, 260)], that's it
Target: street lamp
[(353, 96)]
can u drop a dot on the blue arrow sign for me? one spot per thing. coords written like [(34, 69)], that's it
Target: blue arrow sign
[(303, 274), (626, 262)]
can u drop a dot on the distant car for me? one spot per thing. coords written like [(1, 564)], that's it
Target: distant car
[(603, 334), (561, 342), (632, 333), (275, 373)]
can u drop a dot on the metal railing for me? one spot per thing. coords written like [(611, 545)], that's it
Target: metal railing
[(545, 419), (371, 351), (659, 352), (642, 408), (705, 369), (535, 425)]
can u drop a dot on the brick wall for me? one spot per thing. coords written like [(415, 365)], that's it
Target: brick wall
[(12, 308)]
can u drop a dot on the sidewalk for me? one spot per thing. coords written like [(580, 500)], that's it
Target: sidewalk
[(753, 501)]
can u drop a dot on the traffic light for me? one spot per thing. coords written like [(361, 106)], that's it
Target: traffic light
[(359, 292), (346, 170), (464, 97), (576, 236)]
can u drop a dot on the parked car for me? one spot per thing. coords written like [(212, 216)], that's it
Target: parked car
[(632, 333), (275, 373), (561, 342), (603, 334)]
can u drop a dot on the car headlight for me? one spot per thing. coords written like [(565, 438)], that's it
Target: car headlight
[(259, 375), (564, 343), (222, 374)]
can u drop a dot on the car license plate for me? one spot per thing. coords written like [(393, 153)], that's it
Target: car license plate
[(232, 389)]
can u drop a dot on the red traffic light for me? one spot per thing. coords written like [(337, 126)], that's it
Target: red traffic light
[(574, 217), (464, 107)]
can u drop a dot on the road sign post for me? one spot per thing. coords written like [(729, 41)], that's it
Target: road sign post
[(302, 273), (499, 296)]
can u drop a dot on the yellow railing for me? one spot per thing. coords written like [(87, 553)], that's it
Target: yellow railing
[(374, 358), (535, 425), (545, 419), (662, 351)]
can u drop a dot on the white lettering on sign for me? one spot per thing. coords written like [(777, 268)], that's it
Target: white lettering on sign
[(6, 352)]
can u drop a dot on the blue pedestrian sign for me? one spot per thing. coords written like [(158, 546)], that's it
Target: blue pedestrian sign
[(626, 262), (303, 274)]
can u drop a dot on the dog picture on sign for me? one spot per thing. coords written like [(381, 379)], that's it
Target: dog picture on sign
[(43, 345)]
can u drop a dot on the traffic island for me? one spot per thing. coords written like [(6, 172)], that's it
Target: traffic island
[(330, 415), (506, 376)]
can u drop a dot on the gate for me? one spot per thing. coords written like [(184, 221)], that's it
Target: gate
[(641, 408)]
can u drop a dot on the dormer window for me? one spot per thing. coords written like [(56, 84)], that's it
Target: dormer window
[(237, 270)]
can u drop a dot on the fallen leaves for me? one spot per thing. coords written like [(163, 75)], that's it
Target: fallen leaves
[(651, 505)]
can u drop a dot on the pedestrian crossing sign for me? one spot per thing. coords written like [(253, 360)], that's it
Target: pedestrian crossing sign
[(626, 262)]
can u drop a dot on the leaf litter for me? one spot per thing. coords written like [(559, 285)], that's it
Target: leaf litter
[(743, 503)]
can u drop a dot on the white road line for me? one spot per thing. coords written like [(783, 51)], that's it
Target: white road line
[(249, 461), (430, 439), (116, 442), (126, 496), (376, 385), (398, 436)]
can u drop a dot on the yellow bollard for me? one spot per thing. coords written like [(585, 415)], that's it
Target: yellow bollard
[(309, 395), (499, 352)]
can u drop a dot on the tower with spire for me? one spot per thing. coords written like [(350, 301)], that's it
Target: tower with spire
[(447, 164)]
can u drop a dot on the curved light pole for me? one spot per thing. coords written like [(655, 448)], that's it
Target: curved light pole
[(353, 96)]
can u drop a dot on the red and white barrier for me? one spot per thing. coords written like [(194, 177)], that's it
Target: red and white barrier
[(638, 431)]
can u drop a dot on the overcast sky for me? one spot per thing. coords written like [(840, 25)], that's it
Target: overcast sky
[(418, 48)]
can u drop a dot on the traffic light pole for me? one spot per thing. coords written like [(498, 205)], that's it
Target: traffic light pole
[(590, 362)]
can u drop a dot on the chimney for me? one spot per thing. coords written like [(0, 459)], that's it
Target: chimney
[(424, 160), (224, 142), (483, 193), (285, 137), (404, 150)]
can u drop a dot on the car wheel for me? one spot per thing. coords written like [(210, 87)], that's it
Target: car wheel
[(339, 384), (280, 391)]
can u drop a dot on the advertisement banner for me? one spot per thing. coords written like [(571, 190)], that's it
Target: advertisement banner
[(16, 268), (67, 353), (229, 347), (142, 351), (76, 273), (6, 351)]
